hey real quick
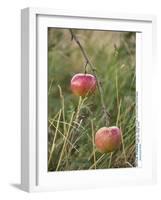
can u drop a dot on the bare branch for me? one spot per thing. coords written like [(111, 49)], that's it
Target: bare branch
[(87, 60)]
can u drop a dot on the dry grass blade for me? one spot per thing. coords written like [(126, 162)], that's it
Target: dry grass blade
[(63, 107), (64, 137), (53, 143), (109, 164), (50, 86), (53, 119), (93, 143), (123, 146), (129, 164), (61, 122), (118, 114), (101, 157), (65, 141)]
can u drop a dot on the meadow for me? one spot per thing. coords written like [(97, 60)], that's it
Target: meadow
[(72, 120)]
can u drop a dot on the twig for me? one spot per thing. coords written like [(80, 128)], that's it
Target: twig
[(74, 37), (85, 67)]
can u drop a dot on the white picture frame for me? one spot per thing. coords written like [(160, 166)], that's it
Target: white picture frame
[(34, 174)]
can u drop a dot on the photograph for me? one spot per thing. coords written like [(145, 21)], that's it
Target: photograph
[(91, 99)]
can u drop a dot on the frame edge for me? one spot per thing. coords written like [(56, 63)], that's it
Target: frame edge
[(25, 99), (28, 99)]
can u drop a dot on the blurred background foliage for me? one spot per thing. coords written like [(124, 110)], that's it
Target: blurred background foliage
[(113, 55)]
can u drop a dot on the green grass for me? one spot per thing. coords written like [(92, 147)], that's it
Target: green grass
[(73, 121)]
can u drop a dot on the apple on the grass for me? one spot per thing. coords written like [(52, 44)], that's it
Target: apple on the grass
[(108, 139), (83, 84)]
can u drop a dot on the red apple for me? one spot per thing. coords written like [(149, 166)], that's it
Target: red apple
[(108, 139), (83, 84)]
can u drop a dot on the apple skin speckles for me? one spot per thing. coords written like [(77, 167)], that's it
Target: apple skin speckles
[(108, 139)]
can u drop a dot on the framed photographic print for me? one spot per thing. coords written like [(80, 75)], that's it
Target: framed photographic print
[(86, 99)]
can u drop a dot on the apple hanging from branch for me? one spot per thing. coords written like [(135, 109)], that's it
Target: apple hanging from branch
[(83, 84)]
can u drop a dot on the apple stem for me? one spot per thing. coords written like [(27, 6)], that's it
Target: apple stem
[(85, 67), (106, 113)]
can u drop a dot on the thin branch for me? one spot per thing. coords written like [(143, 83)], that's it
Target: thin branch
[(85, 67), (106, 113)]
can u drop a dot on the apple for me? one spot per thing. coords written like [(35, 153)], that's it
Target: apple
[(83, 84), (108, 139)]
